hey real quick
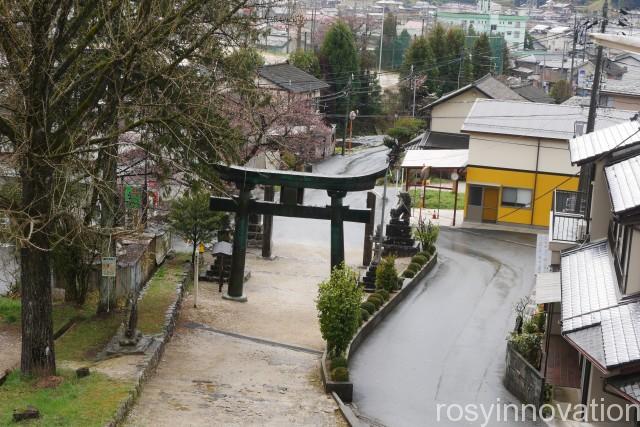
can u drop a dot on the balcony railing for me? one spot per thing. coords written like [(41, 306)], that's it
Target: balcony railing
[(568, 221)]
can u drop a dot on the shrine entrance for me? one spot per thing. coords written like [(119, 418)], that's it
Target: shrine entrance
[(246, 179)]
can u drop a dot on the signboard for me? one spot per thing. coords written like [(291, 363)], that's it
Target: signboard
[(109, 266), (582, 77), (132, 197)]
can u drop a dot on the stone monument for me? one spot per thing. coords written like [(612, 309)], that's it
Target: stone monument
[(399, 240)]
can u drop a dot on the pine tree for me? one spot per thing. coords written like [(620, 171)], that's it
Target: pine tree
[(339, 61), (481, 56)]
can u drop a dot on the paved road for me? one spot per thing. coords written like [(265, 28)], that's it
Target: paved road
[(446, 342), (317, 232)]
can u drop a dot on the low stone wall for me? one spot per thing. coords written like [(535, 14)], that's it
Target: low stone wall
[(151, 363), (344, 389), (522, 379)]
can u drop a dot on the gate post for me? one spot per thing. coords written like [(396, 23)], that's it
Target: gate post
[(368, 229), (235, 290), (337, 230), (267, 223)]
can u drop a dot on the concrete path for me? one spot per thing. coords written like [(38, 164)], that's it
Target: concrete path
[(253, 363), (446, 342)]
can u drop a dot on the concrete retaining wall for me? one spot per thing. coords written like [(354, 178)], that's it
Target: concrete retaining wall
[(522, 379)]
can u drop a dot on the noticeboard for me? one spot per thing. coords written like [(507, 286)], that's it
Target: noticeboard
[(108, 266)]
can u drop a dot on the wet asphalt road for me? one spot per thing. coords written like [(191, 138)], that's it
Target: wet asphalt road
[(446, 342), (317, 232)]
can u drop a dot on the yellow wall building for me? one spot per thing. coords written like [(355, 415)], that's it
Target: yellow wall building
[(518, 156)]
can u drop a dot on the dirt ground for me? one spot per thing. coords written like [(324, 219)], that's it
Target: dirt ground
[(253, 363), (10, 344)]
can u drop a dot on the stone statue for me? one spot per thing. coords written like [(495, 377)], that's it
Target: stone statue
[(402, 210)]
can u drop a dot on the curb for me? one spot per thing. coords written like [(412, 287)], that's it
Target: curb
[(171, 319)]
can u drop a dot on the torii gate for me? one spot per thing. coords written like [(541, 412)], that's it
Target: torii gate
[(246, 179)]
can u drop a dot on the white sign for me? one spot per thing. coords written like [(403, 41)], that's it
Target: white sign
[(108, 266)]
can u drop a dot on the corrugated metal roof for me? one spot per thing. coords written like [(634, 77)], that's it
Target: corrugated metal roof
[(624, 184), (589, 285), (592, 145), (291, 78), (534, 119)]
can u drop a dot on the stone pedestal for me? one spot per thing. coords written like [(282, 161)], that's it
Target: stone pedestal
[(254, 235), (398, 239), (369, 278)]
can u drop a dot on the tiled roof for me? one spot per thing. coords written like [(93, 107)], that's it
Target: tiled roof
[(534, 119), (488, 85), (623, 179), (627, 384), (592, 145), (533, 94), (593, 317), (440, 141), (291, 78), (590, 340), (588, 285)]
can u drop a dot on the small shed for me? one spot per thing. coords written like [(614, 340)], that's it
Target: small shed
[(441, 162)]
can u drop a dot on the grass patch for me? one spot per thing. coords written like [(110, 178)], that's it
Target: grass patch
[(88, 337), (160, 294), (10, 309), (89, 401), (431, 199)]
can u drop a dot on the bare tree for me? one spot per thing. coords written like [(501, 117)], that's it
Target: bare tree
[(75, 77)]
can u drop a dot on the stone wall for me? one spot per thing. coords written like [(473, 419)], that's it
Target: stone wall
[(522, 379)]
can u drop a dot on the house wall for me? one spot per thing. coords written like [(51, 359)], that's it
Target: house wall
[(599, 396), (600, 204), (449, 115), (620, 101), (538, 213), (520, 153), (512, 27)]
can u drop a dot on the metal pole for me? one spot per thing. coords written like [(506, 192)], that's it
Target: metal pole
[(595, 88), (195, 277), (381, 37), (573, 48), (413, 79), (384, 202), (346, 114), (455, 201)]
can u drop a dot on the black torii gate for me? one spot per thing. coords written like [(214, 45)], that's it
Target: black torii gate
[(246, 179)]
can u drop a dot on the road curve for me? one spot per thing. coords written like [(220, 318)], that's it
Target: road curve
[(446, 342)]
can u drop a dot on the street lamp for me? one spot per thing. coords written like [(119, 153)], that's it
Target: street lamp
[(352, 117)]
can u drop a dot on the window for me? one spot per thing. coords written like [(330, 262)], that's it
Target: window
[(516, 34), (475, 195), (516, 197), (508, 33), (509, 22), (620, 242), (518, 24)]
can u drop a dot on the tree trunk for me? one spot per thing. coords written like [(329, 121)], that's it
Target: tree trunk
[(38, 356)]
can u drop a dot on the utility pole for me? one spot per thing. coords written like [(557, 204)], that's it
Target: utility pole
[(346, 113), (381, 37), (595, 88), (573, 48), (413, 80)]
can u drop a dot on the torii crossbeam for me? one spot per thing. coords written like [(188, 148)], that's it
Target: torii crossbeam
[(246, 179)]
